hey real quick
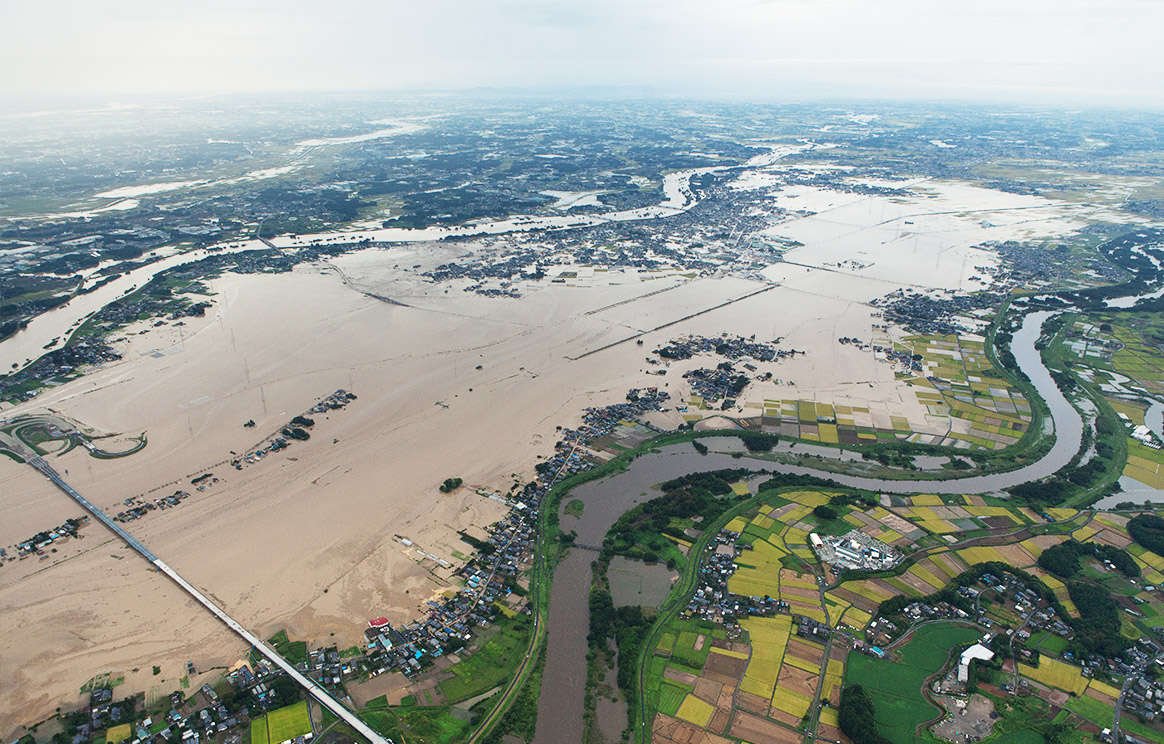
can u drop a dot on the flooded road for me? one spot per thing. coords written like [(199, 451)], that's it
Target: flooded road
[(562, 697)]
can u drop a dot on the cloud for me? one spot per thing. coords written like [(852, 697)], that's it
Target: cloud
[(1098, 52)]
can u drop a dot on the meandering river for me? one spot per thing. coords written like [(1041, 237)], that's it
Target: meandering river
[(560, 706)]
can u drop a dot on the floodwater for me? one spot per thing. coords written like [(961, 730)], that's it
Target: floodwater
[(26, 346), (560, 706), (634, 582)]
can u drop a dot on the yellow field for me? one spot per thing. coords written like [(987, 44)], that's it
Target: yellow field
[(729, 652), (769, 636), (926, 499), (804, 664), (836, 605), (948, 565), (808, 498), (851, 518), (1149, 558), (694, 710), (1061, 513), (740, 489), (830, 717), (791, 702), (936, 526), (793, 536), (1052, 583), (924, 574), (1032, 548), (762, 576), (1056, 674), (796, 513), (982, 554), (1083, 533), (117, 734), (868, 590), (764, 523), (1106, 689), (857, 618), (736, 525), (877, 513), (753, 585)]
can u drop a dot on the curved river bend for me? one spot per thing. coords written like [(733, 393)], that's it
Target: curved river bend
[(560, 706)]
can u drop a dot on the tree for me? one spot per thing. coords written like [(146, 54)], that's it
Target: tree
[(827, 513), (856, 716)]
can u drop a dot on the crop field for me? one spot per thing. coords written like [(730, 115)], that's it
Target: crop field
[(1055, 673), (259, 731), (759, 572), (685, 651), (769, 636), (671, 696), (958, 383), (896, 686), (287, 723), (487, 667), (118, 733), (1145, 464), (694, 710)]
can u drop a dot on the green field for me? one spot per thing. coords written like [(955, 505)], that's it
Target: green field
[(671, 697), (489, 666), (293, 651), (259, 731), (420, 725), (896, 686), (281, 725)]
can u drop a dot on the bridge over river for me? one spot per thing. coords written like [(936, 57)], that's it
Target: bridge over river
[(325, 698)]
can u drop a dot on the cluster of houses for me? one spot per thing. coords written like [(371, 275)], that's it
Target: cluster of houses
[(732, 347), (712, 601), (36, 544), (1144, 697), (723, 382), (136, 508), (294, 430), (55, 365), (898, 356), (490, 577), (925, 315)]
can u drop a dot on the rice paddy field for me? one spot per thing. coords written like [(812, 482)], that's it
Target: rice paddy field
[(1054, 673), (968, 404), (762, 684), (1114, 350)]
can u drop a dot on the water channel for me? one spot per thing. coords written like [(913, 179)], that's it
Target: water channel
[(562, 697)]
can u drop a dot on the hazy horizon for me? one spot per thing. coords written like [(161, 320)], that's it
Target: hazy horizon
[(1074, 53)]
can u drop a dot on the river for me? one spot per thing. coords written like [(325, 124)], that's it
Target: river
[(562, 697)]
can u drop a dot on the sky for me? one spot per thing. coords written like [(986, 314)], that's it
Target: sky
[(1070, 52)]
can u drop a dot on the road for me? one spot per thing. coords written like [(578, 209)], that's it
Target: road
[(324, 697), (1128, 682)]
